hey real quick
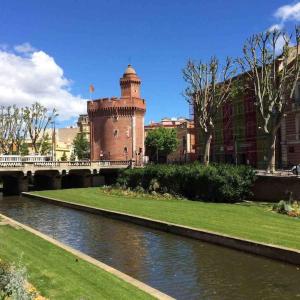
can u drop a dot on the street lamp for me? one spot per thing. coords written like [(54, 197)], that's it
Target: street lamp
[(53, 141)]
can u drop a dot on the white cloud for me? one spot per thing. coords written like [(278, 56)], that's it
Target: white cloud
[(286, 13), (35, 76), (275, 27), (24, 48)]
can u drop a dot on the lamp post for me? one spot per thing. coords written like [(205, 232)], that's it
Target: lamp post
[(53, 141)]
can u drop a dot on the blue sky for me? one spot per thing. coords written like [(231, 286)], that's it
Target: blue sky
[(93, 41)]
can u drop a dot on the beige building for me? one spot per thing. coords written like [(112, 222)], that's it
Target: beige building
[(64, 138), (185, 130), (83, 124)]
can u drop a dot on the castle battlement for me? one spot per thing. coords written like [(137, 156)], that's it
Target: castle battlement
[(117, 124)]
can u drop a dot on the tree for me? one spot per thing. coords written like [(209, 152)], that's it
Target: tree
[(161, 141), (272, 68), (45, 146), (5, 129), (64, 157), (13, 129), (72, 157), (18, 129), (24, 149), (81, 146), (37, 119), (208, 88)]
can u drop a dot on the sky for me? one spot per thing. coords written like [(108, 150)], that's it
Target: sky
[(52, 50)]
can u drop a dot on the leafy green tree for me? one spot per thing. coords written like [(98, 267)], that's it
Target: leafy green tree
[(161, 142), (45, 146), (64, 157), (72, 157), (24, 149), (81, 146)]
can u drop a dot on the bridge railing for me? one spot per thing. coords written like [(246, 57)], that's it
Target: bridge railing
[(79, 163), (46, 164), (11, 164), (113, 162), (67, 164)]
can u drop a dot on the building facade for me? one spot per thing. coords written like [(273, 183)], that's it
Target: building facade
[(83, 124), (117, 124), (239, 138), (185, 132)]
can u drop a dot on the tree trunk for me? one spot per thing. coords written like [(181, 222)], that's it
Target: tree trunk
[(271, 152), (206, 152)]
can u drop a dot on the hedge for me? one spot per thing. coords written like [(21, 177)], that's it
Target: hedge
[(214, 183)]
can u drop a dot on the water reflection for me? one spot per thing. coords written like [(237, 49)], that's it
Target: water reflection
[(181, 267)]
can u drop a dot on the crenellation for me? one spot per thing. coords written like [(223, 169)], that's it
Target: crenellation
[(111, 115)]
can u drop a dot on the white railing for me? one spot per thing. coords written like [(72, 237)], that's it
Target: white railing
[(67, 164), (11, 164)]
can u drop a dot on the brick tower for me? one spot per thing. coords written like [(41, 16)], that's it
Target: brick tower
[(117, 124)]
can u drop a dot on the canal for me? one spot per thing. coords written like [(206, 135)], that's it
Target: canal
[(181, 267)]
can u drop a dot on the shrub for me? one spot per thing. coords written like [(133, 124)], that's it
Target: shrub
[(288, 208), (217, 183), (13, 283)]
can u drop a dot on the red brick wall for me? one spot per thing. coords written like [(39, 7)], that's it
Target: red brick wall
[(112, 135), (117, 124)]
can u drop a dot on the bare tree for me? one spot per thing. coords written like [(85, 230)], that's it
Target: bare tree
[(18, 129), (12, 129), (209, 87), (38, 119), (272, 67), (5, 129)]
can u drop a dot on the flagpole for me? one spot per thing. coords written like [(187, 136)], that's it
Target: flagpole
[(91, 90)]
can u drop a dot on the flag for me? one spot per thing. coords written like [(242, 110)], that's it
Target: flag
[(92, 88)]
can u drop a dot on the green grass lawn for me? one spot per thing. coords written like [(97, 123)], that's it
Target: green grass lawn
[(254, 221), (56, 273)]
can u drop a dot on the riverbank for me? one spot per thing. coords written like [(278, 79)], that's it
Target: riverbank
[(251, 221), (57, 273)]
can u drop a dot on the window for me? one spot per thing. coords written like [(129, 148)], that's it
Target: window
[(291, 149), (297, 93), (116, 131)]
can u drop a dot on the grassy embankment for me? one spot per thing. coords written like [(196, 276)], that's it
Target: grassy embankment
[(254, 221), (57, 274)]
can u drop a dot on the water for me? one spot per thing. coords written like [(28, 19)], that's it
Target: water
[(181, 267)]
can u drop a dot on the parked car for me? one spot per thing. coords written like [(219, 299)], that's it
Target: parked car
[(296, 170)]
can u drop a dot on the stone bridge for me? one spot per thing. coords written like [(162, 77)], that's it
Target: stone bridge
[(17, 177)]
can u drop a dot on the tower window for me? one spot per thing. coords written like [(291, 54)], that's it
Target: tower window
[(116, 133)]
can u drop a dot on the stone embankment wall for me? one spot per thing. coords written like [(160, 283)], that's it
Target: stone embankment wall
[(275, 188)]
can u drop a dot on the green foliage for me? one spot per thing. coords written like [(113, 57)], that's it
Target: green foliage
[(24, 149), (64, 157), (290, 208), (72, 157), (13, 282), (215, 183), (45, 145), (161, 142), (81, 146)]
